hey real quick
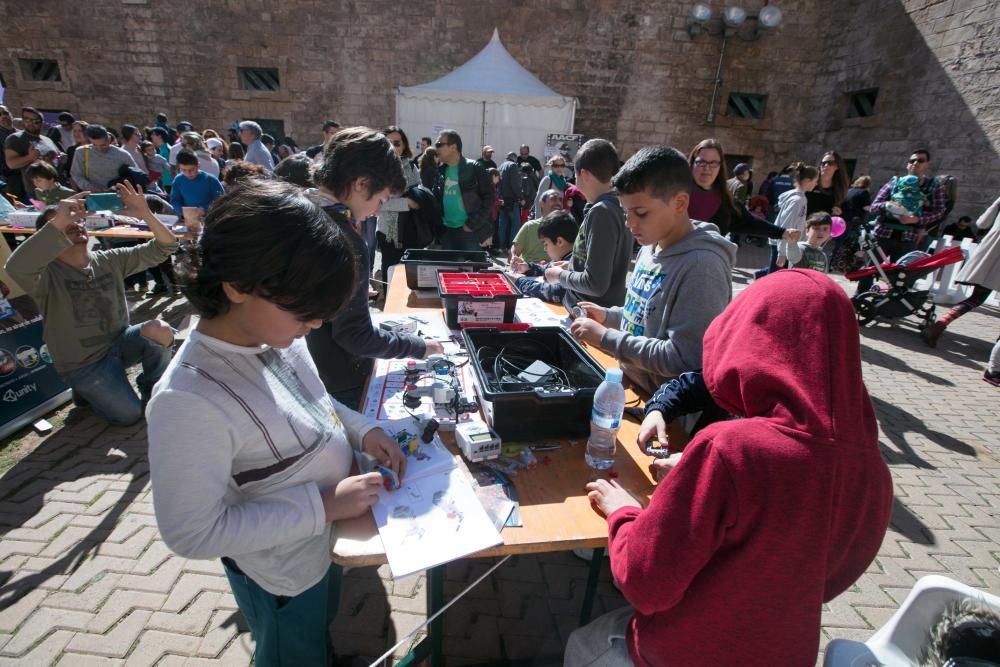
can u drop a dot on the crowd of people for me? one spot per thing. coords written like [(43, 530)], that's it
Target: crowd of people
[(276, 257)]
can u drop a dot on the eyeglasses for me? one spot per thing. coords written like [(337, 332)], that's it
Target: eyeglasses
[(439, 144), (397, 143), (33, 121), (917, 160), (707, 164), (827, 163), (558, 165)]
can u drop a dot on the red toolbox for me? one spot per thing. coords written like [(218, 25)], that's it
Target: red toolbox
[(487, 297)]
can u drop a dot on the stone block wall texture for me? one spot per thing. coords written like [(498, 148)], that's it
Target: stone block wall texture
[(639, 77)]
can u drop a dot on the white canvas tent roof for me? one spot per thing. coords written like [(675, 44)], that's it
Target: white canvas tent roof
[(492, 98)]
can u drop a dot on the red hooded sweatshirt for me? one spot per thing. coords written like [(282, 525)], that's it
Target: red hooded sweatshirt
[(768, 516)]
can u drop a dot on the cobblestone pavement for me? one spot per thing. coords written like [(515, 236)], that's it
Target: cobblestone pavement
[(86, 580)]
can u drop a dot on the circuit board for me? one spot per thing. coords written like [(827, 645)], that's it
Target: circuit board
[(385, 392)]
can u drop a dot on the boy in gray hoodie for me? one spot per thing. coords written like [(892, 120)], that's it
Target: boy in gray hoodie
[(682, 278), (603, 247)]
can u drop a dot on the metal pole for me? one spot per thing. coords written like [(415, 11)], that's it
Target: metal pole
[(483, 142), (718, 81)]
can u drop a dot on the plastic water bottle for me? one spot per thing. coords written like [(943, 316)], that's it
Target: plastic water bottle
[(606, 417)]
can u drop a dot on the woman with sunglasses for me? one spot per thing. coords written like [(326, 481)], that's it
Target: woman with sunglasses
[(830, 192), (555, 179), (388, 234), (711, 200)]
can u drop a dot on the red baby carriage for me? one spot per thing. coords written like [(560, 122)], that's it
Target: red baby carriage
[(896, 298)]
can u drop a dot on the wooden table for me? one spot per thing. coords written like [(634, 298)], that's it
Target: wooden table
[(555, 510), (119, 232)]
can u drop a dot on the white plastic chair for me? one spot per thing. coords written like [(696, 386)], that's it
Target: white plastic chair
[(899, 641)]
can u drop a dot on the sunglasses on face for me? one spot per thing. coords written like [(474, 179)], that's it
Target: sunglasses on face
[(917, 160), (827, 163), (557, 166), (439, 144)]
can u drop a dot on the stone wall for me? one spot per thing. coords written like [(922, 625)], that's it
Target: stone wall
[(638, 75)]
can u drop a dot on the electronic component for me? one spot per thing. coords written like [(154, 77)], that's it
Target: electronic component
[(407, 326), (477, 441), (368, 463), (539, 373), (577, 312)]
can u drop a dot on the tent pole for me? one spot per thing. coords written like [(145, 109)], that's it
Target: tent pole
[(483, 138)]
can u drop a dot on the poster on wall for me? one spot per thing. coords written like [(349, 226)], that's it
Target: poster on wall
[(564, 145), (29, 384)]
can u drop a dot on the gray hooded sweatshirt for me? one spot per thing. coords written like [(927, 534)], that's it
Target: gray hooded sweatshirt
[(672, 297)]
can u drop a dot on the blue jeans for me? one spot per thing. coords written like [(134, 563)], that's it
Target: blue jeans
[(456, 238), (507, 226), (288, 631), (105, 385)]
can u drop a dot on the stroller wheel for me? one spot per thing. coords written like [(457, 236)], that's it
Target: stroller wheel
[(864, 306)]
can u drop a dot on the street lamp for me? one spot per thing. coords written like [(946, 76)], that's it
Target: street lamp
[(733, 17), (700, 15)]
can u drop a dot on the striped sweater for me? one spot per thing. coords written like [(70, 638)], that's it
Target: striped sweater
[(241, 443)]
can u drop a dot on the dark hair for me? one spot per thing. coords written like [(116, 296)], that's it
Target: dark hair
[(659, 171), (160, 132), (803, 172), (453, 138), (840, 183), (33, 110), (158, 206), (295, 169), (965, 218), (266, 139), (66, 116), (238, 171), (113, 132), (44, 217), (599, 157), (187, 157), (558, 224), (819, 218), (330, 124), (493, 171), (728, 210), (129, 131), (236, 151), (923, 151), (360, 152), (407, 153), (862, 182), (265, 238), (96, 132), (428, 167), (41, 169), (161, 118)]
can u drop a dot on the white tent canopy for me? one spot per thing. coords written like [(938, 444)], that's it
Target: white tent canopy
[(492, 100)]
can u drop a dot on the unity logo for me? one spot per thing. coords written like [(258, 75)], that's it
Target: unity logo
[(11, 396)]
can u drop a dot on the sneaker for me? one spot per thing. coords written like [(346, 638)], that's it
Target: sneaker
[(157, 290), (992, 378)]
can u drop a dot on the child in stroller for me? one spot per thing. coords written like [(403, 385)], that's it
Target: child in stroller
[(896, 298)]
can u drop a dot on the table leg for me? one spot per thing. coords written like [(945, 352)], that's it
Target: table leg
[(435, 600), (430, 647), (588, 597)]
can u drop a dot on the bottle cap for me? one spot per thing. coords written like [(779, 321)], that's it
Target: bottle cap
[(613, 375)]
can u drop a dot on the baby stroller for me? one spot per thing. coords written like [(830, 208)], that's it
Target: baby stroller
[(893, 297)]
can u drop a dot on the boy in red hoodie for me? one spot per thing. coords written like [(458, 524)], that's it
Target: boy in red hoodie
[(764, 518)]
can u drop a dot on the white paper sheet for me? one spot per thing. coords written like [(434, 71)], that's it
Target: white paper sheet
[(430, 521), (536, 313)]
